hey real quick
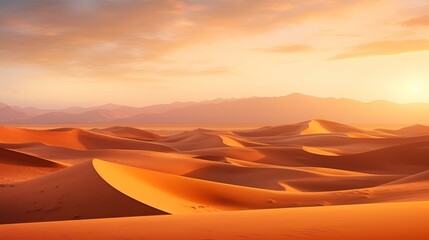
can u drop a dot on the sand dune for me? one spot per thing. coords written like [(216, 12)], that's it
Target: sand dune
[(320, 151), (128, 132), (198, 139), (403, 159), (418, 177), (15, 158), (271, 178), (51, 175), (75, 193), (411, 131), (97, 189), (292, 129), (16, 166), (312, 127), (74, 138)]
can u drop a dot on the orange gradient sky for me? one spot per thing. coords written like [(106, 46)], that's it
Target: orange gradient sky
[(57, 53)]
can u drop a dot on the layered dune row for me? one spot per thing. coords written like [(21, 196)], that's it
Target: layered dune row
[(71, 174)]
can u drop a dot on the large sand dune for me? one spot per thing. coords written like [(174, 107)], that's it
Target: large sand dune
[(71, 173), (74, 193)]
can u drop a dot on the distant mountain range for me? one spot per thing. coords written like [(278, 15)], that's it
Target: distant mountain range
[(251, 111)]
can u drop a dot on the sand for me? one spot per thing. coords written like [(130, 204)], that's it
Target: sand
[(206, 181), (373, 221)]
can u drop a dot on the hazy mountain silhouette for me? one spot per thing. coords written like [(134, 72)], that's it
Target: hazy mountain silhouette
[(257, 110)]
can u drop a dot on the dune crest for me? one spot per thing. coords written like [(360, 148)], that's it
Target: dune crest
[(320, 151), (315, 127)]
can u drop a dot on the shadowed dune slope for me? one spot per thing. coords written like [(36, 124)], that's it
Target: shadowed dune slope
[(16, 166), (403, 159), (415, 178), (77, 192), (274, 178), (411, 131), (16, 158)]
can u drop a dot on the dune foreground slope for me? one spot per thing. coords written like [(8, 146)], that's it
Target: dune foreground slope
[(310, 180), (369, 221)]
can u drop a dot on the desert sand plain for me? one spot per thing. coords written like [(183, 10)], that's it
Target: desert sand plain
[(311, 180)]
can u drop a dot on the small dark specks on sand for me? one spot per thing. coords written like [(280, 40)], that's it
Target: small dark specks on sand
[(51, 209)]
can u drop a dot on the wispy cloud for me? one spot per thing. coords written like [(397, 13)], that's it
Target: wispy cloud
[(92, 37), (381, 48), (417, 22)]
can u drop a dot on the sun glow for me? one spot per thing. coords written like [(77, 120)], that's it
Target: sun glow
[(416, 89)]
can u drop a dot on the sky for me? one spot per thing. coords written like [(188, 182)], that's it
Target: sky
[(60, 53)]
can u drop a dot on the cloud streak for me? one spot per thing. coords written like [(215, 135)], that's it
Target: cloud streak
[(383, 48), (417, 22)]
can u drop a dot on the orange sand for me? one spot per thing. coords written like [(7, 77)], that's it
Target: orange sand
[(205, 179)]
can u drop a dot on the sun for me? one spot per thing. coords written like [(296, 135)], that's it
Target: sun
[(416, 89)]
